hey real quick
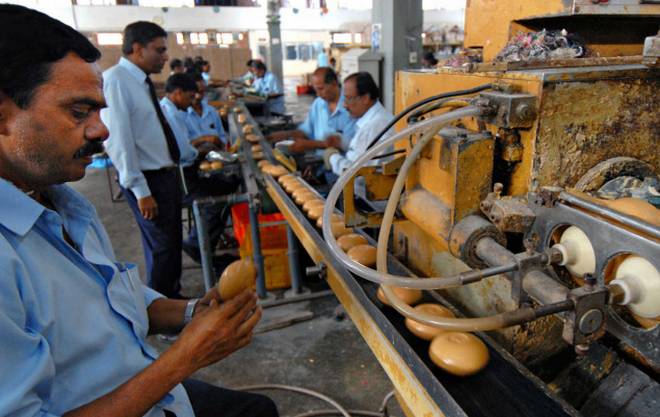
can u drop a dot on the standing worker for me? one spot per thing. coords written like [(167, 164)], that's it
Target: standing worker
[(144, 150)]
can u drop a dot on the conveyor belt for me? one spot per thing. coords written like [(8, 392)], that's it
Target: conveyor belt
[(504, 388)]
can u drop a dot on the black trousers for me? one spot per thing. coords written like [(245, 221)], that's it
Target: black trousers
[(210, 401), (161, 237)]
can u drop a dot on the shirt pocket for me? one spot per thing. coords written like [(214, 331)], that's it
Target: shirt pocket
[(127, 298)]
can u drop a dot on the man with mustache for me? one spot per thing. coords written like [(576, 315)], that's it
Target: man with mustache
[(143, 148), (74, 320)]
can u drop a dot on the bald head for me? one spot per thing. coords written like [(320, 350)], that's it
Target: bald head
[(326, 84)]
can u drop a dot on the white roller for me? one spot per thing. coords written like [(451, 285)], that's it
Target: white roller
[(640, 282), (578, 255)]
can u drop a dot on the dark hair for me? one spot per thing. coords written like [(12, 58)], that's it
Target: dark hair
[(196, 76), (175, 63), (364, 84), (249, 63), (180, 81), (256, 64), (430, 57), (329, 75), (141, 32), (30, 42)]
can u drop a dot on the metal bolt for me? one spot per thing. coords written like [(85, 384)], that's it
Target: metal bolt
[(591, 321), (498, 188)]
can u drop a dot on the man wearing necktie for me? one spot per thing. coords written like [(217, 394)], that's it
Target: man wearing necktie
[(143, 148)]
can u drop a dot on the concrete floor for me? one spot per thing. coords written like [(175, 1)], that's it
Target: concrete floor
[(323, 354)]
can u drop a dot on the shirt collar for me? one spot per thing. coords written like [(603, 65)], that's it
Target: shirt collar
[(370, 114), (18, 212), (171, 107), (206, 109), (133, 69)]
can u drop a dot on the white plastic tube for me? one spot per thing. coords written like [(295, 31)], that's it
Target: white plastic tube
[(368, 273), (497, 321)]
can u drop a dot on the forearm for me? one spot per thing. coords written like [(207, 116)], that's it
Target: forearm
[(140, 393), (286, 134), (166, 315)]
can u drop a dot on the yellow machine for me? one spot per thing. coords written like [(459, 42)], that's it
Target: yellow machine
[(529, 197)]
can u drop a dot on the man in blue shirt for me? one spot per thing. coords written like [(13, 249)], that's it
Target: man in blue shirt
[(202, 118), (74, 320), (180, 92), (267, 85), (328, 123)]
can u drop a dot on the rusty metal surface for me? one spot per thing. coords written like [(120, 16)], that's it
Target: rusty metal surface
[(582, 124)]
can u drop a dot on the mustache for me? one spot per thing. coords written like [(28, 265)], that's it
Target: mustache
[(88, 149)]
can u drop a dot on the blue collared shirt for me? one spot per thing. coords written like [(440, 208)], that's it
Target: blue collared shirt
[(269, 84), (367, 127), (177, 120), (209, 123), (320, 124), (136, 142), (73, 322)]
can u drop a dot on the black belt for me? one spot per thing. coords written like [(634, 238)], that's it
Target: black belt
[(161, 170)]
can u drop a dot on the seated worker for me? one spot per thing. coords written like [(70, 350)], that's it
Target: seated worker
[(180, 91), (73, 320), (328, 123), (268, 86), (202, 118), (361, 100), (248, 77), (176, 66)]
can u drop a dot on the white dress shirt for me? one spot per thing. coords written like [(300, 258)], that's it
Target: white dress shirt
[(136, 142), (368, 126)]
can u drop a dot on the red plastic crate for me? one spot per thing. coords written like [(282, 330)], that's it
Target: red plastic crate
[(272, 236)]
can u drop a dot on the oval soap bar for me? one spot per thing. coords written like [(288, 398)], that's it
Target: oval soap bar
[(316, 202), (424, 331), (459, 353), (363, 254), (238, 276), (408, 295), (346, 242)]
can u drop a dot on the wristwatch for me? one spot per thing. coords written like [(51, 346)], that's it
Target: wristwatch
[(190, 310)]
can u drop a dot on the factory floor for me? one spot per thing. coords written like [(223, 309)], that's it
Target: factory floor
[(324, 354)]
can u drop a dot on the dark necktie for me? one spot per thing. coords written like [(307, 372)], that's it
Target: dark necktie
[(172, 146)]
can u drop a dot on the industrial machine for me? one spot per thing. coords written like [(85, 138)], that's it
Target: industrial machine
[(524, 197)]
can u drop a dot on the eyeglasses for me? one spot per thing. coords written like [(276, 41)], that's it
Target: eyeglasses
[(350, 99)]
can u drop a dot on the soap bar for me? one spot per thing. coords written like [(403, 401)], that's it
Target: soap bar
[(459, 353), (238, 276), (424, 331), (363, 254), (408, 295), (346, 242)]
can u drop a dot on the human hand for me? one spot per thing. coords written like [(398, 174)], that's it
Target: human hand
[(298, 145), (333, 141), (218, 330), (148, 207)]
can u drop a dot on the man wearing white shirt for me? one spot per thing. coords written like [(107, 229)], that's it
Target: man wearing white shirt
[(361, 100), (143, 148)]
